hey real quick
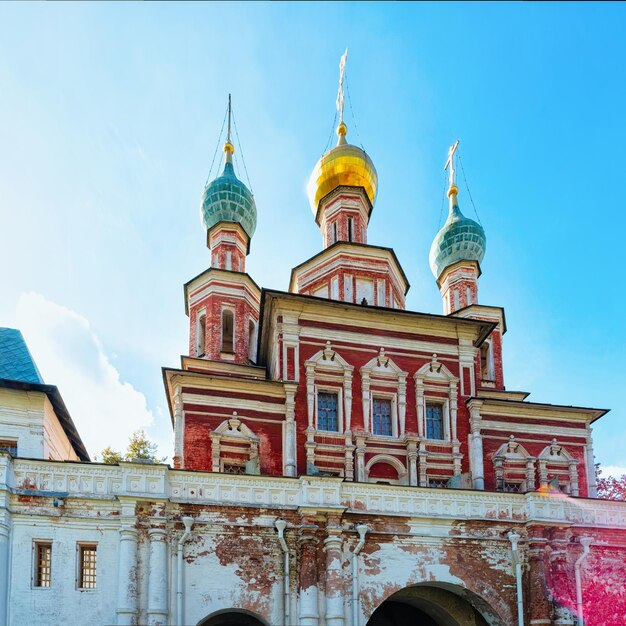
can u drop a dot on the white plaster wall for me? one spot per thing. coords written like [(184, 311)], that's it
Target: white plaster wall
[(212, 585), (22, 418), (62, 602), (56, 445)]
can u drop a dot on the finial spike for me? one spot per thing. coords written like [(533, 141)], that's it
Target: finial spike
[(229, 114), (451, 169), (228, 146), (342, 71)]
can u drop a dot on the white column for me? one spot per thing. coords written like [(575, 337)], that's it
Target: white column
[(419, 402), (402, 402), (310, 392), (347, 394), (334, 582), (307, 597), (365, 385), (5, 531), (179, 428), (592, 486), (360, 459), (573, 478), (453, 407), (127, 577), (158, 593), (476, 442), (412, 457), (289, 453)]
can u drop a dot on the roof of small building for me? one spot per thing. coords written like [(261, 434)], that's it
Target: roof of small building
[(18, 371), (16, 361)]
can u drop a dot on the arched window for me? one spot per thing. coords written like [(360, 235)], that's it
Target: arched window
[(201, 335), (228, 331), (252, 340), (350, 228), (486, 362), (335, 234)]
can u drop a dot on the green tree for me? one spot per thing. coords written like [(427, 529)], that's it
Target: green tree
[(109, 456), (610, 488), (139, 448)]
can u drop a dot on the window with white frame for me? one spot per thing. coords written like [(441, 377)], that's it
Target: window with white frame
[(87, 565), (350, 228), (252, 339), (201, 335), (382, 421), (42, 564), (434, 420), (328, 411), (9, 445), (228, 331), (486, 362)]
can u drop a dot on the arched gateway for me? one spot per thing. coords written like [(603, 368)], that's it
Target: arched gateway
[(235, 617), (434, 604)]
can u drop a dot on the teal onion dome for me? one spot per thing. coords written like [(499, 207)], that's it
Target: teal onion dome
[(460, 239), (227, 199)]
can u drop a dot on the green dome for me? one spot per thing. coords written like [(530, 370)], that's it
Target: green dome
[(227, 199), (460, 239)]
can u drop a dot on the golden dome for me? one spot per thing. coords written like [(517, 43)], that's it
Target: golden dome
[(344, 164)]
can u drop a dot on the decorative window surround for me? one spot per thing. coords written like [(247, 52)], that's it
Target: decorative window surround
[(382, 371), (328, 366), (513, 464), (557, 455), (436, 372), (234, 431)]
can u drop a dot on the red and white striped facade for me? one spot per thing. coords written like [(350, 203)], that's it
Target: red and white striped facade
[(246, 399)]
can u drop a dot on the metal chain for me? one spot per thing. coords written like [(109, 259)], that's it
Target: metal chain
[(243, 160), (216, 149), (469, 193)]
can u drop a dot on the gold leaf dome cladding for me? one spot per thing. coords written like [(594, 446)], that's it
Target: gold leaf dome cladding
[(344, 164)]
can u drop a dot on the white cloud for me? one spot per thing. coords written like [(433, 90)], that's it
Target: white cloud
[(613, 470), (69, 355)]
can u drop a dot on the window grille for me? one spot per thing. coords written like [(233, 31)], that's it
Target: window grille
[(438, 483), (327, 411), (43, 564), (87, 567), (513, 486), (434, 421), (9, 446), (234, 468), (381, 416)]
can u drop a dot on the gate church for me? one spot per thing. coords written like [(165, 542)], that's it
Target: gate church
[(338, 459)]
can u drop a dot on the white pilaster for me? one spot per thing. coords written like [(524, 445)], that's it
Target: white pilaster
[(157, 581), (476, 442), (127, 576), (289, 453)]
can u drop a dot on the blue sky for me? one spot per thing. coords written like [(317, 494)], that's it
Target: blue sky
[(109, 118)]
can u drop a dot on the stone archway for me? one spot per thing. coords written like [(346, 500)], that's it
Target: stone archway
[(434, 604), (233, 617)]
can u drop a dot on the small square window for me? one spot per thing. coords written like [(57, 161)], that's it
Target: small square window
[(87, 566), (328, 411), (434, 421), (43, 564), (513, 486), (9, 445), (438, 483), (233, 468), (381, 416)]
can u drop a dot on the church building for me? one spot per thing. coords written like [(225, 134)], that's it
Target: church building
[(339, 460)]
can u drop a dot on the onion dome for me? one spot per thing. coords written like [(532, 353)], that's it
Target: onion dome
[(344, 164), (227, 199), (460, 239)]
